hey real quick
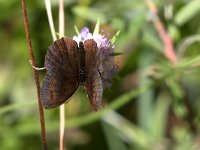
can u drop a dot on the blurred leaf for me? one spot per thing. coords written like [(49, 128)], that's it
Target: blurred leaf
[(175, 88), (77, 31), (116, 104), (15, 106), (114, 38), (130, 36), (97, 28), (145, 100), (184, 139), (187, 12), (114, 142), (174, 32), (128, 132), (89, 13), (152, 40), (117, 24), (160, 115), (188, 62), (186, 43), (93, 116), (180, 110)]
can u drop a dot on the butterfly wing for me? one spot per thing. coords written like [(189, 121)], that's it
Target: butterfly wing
[(93, 74), (60, 82), (62, 58), (55, 92)]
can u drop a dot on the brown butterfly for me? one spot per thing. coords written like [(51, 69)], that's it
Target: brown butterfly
[(68, 65)]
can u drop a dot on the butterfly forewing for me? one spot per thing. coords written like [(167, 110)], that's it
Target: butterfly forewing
[(61, 80), (93, 73), (62, 58)]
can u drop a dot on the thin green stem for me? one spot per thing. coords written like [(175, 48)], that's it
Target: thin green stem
[(50, 18)]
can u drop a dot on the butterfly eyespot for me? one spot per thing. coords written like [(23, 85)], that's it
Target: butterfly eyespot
[(51, 94)]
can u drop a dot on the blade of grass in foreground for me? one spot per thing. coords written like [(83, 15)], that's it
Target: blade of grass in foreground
[(87, 118)]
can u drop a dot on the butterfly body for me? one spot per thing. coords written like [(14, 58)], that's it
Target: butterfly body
[(82, 62), (68, 65)]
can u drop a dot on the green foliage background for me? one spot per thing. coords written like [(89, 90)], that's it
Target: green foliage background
[(152, 105)]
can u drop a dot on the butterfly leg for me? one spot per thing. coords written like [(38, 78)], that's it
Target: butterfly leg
[(36, 68)]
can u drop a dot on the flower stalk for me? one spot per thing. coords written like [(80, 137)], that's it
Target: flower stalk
[(62, 107)]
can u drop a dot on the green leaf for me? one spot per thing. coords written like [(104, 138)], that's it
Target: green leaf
[(113, 140), (96, 29), (15, 106), (126, 130), (187, 12), (76, 29), (188, 62), (58, 34), (88, 118), (160, 114), (186, 43), (89, 13), (145, 100), (151, 39), (114, 38)]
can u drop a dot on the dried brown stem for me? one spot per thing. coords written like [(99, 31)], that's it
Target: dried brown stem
[(36, 76), (167, 42)]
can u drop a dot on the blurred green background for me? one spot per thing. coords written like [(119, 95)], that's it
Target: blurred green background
[(153, 105)]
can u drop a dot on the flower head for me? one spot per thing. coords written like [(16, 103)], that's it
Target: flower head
[(105, 49)]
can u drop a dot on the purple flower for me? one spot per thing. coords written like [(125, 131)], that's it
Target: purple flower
[(106, 53)]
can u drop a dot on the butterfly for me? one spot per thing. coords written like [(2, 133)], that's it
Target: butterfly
[(70, 64)]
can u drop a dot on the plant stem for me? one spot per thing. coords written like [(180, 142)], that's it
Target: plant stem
[(167, 42), (61, 33), (62, 107), (50, 18), (62, 126), (36, 76)]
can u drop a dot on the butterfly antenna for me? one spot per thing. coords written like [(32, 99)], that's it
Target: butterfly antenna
[(116, 54)]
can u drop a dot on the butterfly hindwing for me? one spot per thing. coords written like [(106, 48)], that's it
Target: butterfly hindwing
[(93, 74), (55, 92), (94, 89)]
